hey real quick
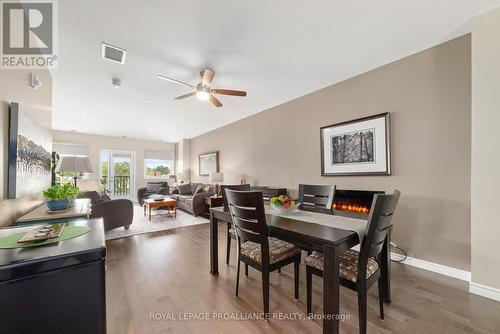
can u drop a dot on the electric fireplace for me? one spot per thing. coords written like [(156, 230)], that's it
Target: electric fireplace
[(353, 203)]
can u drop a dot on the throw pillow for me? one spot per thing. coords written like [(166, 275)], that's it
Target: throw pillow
[(185, 189), (206, 188), (153, 187), (199, 189)]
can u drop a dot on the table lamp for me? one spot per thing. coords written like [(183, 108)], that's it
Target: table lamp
[(216, 178), (182, 176), (74, 164)]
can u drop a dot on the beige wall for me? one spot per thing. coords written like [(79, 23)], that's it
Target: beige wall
[(14, 87), (428, 96), (97, 143), (485, 177)]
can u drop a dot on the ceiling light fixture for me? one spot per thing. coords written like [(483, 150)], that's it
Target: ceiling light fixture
[(203, 96)]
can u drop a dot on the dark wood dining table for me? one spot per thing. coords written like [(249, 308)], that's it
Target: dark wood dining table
[(331, 241)]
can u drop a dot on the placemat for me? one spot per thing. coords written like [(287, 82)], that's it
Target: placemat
[(69, 232)]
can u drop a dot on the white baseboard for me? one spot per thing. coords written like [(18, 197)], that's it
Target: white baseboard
[(435, 267), (431, 266), (475, 288), (485, 291)]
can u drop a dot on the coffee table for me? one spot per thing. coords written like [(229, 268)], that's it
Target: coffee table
[(169, 203)]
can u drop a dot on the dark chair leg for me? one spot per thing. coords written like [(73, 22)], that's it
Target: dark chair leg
[(381, 297), (362, 310), (309, 290), (228, 249), (126, 227), (279, 270), (265, 293), (296, 267), (237, 275), (246, 270)]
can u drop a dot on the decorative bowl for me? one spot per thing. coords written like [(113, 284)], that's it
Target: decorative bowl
[(282, 204), (59, 205), (157, 198), (283, 209)]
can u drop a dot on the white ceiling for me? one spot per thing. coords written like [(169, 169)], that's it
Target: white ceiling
[(276, 50)]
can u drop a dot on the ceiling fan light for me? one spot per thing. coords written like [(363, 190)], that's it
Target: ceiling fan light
[(203, 96)]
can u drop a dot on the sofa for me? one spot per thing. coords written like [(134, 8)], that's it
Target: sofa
[(151, 188), (190, 197), (115, 213)]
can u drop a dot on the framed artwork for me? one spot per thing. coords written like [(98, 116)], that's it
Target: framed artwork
[(30, 157), (357, 147), (208, 163)]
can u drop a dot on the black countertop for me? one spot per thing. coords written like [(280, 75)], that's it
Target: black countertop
[(16, 263)]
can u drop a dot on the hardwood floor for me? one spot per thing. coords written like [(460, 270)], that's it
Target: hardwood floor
[(165, 274)]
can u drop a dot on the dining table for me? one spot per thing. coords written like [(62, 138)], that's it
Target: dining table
[(331, 241)]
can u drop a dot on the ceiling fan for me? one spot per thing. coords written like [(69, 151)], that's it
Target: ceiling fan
[(202, 90)]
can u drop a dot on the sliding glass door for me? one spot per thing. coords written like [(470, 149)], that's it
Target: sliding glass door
[(117, 173)]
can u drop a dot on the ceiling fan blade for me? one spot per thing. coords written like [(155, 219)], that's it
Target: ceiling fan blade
[(207, 77), (185, 95), (173, 80), (215, 101), (229, 92)]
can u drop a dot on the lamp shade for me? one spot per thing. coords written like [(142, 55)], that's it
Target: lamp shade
[(215, 177), (183, 176), (74, 164)]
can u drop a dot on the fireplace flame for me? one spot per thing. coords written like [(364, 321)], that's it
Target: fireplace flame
[(351, 208)]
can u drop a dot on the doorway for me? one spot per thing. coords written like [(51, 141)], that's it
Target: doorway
[(117, 170)]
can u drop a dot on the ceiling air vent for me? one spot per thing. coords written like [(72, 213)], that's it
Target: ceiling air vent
[(113, 53)]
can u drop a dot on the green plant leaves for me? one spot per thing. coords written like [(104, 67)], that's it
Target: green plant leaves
[(61, 192)]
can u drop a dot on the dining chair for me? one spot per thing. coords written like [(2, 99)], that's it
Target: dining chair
[(231, 233), (360, 270), (316, 198), (255, 247)]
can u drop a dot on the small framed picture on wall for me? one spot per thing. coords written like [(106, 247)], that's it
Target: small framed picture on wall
[(208, 163), (357, 147)]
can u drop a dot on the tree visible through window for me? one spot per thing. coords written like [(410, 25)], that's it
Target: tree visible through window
[(156, 168)]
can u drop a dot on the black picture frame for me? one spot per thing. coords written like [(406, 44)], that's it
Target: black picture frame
[(387, 144)]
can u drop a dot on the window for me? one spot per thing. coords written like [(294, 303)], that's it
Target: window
[(157, 168)]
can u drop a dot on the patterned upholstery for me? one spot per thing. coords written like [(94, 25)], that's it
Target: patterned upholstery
[(278, 250), (348, 264)]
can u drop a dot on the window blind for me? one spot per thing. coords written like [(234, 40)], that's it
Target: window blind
[(159, 155), (71, 149)]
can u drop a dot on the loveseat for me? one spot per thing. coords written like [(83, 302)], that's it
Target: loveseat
[(190, 197)]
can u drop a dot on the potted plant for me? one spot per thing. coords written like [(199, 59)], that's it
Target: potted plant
[(59, 195)]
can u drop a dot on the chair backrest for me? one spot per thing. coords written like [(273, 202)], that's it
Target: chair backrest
[(223, 187), (317, 198), (379, 222), (249, 218), (162, 183)]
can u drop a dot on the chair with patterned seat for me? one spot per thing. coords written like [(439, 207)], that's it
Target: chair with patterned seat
[(360, 270), (255, 247)]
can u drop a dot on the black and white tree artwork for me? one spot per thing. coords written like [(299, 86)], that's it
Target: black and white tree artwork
[(353, 147)]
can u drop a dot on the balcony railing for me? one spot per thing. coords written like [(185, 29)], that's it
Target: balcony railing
[(121, 185)]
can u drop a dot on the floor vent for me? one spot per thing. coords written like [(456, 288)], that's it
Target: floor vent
[(112, 53)]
